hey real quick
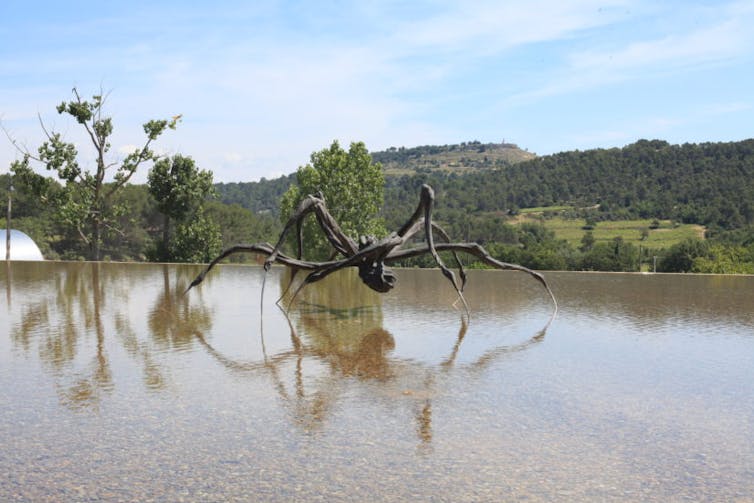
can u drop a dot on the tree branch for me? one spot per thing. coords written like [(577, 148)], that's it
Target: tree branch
[(21, 150)]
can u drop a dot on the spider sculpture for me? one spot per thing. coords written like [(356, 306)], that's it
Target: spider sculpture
[(370, 255)]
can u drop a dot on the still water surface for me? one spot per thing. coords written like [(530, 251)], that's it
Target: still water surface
[(116, 386)]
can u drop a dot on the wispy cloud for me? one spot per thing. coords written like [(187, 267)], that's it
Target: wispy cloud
[(717, 44), (707, 45), (495, 26)]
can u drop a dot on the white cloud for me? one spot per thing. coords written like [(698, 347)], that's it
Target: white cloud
[(721, 43), (495, 26), (712, 44)]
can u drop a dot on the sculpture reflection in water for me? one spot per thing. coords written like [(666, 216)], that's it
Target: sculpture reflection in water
[(337, 335)]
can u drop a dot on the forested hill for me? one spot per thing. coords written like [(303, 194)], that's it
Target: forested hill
[(463, 158), (707, 183), (260, 197)]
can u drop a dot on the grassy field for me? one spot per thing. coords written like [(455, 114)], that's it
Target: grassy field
[(571, 230)]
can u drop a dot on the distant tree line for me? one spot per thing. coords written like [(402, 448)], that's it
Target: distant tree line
[(262, 197)]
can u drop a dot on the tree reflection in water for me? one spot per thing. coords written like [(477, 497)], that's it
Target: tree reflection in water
[(340, 332), (78, 303), (92, 300)]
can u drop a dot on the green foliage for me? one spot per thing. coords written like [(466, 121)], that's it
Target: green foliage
[(353, 188), (590, 224), (721, 259), (615, 256), (178, 186), (681, 257), (666, 235), (709, 184), (587, 242), (262, 197), (84, 203), (180, 189), (239, 225), (197, 240), (137, 225)]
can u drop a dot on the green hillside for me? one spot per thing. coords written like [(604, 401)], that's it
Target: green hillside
[(710, 184)]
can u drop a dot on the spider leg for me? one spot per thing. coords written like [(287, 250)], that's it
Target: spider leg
[(446, 237), (259, 248), (419, 225), (299, 238), (299, 254), (426, 201), (335, 235), (262, 248), (312, 278), (479, 252), (294, 272)]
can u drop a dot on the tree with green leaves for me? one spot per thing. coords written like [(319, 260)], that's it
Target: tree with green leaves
[(681, 256), (353, 189), (587, 241), (613, 256), (240, 225), (180, 189), (724, 259), (196, 240), (84, 199)]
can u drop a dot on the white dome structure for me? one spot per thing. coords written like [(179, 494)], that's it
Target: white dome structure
[(22, 247)]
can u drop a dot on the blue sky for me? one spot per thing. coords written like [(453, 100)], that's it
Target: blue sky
[(261, 85)]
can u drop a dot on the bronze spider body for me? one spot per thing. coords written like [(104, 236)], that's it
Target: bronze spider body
[(371, 255)]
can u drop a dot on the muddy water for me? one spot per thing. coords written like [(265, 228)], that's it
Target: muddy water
[(116, 386)]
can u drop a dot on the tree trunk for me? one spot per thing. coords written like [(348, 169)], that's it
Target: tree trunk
[(7, 227), (165, 237), (96, 238)]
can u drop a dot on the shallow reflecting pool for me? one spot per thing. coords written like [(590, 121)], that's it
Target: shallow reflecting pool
[(116, 386)]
